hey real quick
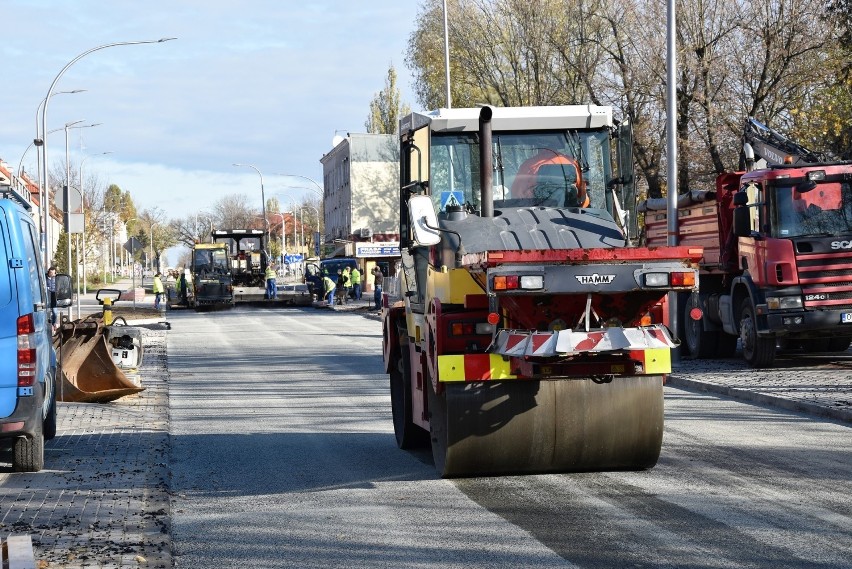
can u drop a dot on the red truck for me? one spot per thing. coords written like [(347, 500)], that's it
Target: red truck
[(777, 265)]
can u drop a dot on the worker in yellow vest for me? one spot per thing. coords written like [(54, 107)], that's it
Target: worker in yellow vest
[(328, 287), (355, 280), (158, 290), (271, 284)]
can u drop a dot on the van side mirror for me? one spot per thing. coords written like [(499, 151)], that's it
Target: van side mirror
[(63, 290), (423, 221)]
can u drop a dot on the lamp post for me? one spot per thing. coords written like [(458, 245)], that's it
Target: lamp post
[(39, 138), (38, 141), (132, 262), (320, 193), (43, 185), (262, 197), (67, 206), (83, 207), (151, 256), (283, 244)]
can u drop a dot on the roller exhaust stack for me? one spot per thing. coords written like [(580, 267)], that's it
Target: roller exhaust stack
[(486, 165)]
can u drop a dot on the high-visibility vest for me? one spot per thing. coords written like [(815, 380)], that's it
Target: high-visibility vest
[(355, 277), (329, 284), (158, 285), (270, 273)]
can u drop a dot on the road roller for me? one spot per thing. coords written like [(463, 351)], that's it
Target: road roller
[(522, 328)]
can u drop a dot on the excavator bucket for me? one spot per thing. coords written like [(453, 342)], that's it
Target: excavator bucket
[(87, 357)]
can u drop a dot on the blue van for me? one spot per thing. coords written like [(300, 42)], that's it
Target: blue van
[(27, 358)]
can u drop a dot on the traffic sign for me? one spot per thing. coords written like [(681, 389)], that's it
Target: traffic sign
[(451, 199), (133, 245)]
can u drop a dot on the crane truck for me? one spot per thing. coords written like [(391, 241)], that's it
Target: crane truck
[(777, 264), (520, 340)]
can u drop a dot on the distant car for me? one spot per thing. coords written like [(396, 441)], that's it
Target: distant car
[(28, 365)]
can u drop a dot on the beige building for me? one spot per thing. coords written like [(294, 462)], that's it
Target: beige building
[(361, 202)]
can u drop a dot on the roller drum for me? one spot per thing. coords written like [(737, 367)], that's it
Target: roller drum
[(565, 425)]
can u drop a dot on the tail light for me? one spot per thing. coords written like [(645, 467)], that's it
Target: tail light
[(471, 328), (515, 282), (683, 279), (26, 351), (677, 278)]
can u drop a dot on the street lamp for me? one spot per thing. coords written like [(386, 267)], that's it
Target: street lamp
[(151, 243), (66, 198), (320, 193), (262, 197), (311, 180), (262, 193), (43, 186), (38, 140), (83, 209), (283, 244)]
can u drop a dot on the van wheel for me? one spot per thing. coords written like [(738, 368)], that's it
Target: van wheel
[(757, 351), (49, 408), (28, 453)]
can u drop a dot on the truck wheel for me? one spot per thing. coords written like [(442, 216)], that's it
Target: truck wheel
[(28, 453), (700, 343), (49, 408), (408, 435), (757, 351)]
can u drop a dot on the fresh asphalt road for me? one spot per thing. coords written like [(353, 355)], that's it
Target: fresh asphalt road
[(283, 455)]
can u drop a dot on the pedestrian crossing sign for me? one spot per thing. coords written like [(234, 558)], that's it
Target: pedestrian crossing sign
[(451, 199)]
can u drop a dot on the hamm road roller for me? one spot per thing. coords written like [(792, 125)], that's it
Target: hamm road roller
[(522, 338)]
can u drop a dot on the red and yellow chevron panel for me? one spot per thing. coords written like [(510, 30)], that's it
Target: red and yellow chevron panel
[(473, 367)]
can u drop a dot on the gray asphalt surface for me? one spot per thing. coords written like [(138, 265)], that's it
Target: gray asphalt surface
[(283, 456), (280, 453)]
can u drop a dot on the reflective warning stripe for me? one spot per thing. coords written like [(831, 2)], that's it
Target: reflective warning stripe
[(473, 367), (521, 343), (654, 361)]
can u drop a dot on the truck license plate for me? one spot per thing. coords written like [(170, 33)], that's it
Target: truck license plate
[(846, 317)]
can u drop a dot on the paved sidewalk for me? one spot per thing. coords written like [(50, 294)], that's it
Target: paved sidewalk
[(819, 385), (102, 500)]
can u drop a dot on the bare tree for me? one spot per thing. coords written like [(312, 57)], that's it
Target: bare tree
[(233, 211)]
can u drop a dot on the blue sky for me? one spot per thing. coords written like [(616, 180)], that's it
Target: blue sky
[(263, 82)]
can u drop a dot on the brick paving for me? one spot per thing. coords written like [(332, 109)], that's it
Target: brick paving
[(102, 500)]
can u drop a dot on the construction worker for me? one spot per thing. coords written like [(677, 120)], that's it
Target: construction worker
[(355, 280), (271, 284), (378, 281), (328, 288), (158, 290), (181, 286), (347, 285)]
